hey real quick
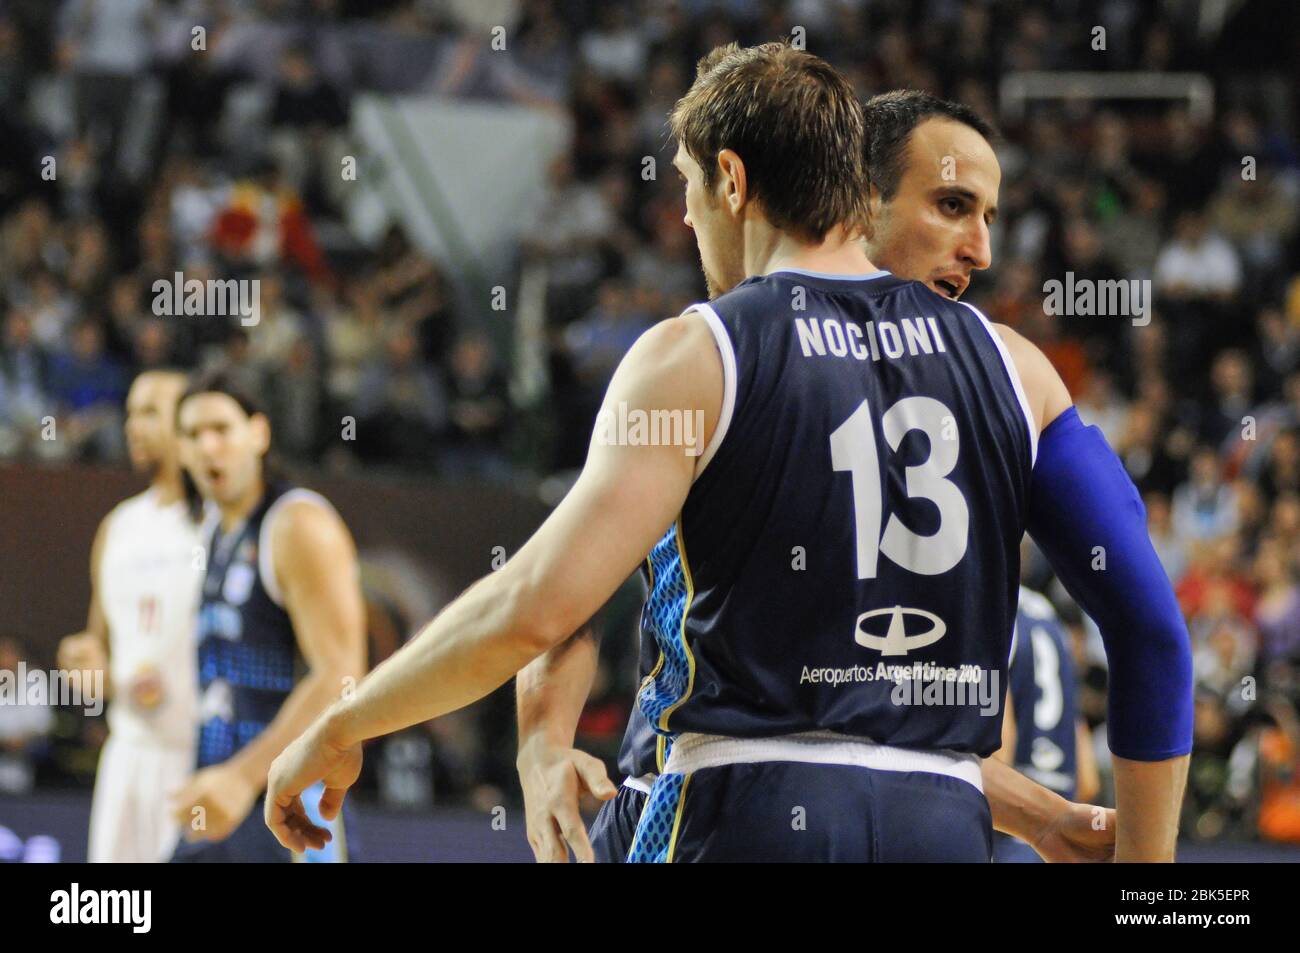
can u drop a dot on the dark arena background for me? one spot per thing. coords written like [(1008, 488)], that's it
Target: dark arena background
[(461, 215)]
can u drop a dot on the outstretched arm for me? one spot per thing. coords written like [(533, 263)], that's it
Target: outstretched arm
[(622, 504)]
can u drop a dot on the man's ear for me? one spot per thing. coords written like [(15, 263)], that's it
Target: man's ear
[(261, 425), (733, 184)]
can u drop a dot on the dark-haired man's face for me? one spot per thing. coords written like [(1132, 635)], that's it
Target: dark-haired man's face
[(716, 220), (935, 228), (221, 446)]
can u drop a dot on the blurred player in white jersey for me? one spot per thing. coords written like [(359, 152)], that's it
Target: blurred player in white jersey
[(144, 595)]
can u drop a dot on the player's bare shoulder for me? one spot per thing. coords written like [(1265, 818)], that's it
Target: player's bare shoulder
[(684, 343), (304, 526), (1044, 389), (676, 363)]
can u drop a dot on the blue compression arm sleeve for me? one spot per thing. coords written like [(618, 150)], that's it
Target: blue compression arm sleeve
[(1081, 498)]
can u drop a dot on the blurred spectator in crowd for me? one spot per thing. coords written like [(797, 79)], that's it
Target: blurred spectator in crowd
[(1169, 548), (1277, 611), (88, 388), (401, 405), (478, 409), (1205, 507), (24, 385), (1197, 263), (295, 398)]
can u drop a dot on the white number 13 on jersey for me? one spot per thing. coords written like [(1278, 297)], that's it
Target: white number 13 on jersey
[(853, 448)]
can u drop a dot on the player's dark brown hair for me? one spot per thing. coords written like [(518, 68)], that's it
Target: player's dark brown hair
[(891, 119), (222, 380), (795, 122)]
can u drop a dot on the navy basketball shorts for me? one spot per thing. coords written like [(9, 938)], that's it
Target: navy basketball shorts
[(614, 827), (253, 843), (802, 811), (1012, 850)]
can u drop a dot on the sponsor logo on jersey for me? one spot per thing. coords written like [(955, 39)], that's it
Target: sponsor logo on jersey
[(895, 640)]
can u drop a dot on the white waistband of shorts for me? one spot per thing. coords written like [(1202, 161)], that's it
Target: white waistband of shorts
[(642, 784), (694, 752)]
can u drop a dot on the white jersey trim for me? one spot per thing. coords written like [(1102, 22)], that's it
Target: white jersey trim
[(1012, 373), (728, 354), (265, 558), (694, 752)]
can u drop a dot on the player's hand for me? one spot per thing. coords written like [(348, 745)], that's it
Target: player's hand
[(310, 758), (553, 779), (82, 652), (214, 802), (1080, 833)]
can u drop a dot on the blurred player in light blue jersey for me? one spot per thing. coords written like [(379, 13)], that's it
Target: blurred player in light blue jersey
[(1042, 736)]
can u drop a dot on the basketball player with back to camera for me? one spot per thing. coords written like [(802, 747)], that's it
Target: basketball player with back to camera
[(281, 593), (894, 434), (929, 223), (926, 227), (144, 588)]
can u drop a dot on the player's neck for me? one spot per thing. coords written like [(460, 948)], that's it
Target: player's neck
[(233, 514), (839, 253), (167, 485)]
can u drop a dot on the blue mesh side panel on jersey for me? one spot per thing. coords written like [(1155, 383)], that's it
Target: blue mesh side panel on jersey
[(663, 616), (220, 739), (246, 665), (654, 833)]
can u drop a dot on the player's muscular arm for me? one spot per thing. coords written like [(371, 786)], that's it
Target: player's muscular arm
[(551, 692), (89, 649), (1086, 516), (623, 502), (316, 568), (1061, 831)]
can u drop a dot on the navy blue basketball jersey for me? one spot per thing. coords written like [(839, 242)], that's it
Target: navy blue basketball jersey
[(847, 557), (248, 658), (1043, 696)]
